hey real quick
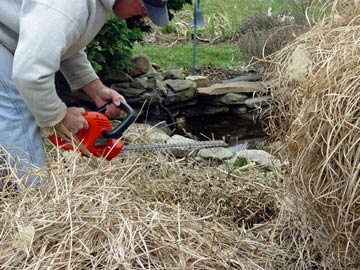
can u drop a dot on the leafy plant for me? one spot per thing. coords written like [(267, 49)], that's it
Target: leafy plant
[(220, 26), (240, 162), (175, 5), (112, 47)]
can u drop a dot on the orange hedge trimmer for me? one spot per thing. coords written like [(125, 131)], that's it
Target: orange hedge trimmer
[(102, 140)]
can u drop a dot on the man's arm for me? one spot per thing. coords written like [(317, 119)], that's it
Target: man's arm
[(44, 36), (78, 71), (80, 75)]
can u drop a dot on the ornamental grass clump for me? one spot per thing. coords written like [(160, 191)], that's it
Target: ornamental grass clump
[(262, 35), (316, 114)]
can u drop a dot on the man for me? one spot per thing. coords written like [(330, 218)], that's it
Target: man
[(38, 38)]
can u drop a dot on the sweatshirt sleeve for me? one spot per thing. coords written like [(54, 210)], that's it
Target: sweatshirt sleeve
[(44, 36), (77, 70)]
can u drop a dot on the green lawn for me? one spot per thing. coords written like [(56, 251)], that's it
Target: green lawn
[(240, 9), (222, 19), (180, 55)]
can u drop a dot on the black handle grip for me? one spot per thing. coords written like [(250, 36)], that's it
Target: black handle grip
[(119, 130)]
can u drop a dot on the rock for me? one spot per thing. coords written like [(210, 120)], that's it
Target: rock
[(258, 101), (135, 132), (180, 153), (240, 110), (150, 96), (201, 81), (158, 85), (174, 74), (227, 99), (117, 76), (177, 97), (218, 153), (140, 83), (139, 132), (156, 66), (258, 144), (157, 135), (179, 91), (233, 99), (161, 86), (232, 87), (152, 73), (258, 157), (170, 98), (140, 65), (163, 126), (127, 91), (179, 85), (256, 114)]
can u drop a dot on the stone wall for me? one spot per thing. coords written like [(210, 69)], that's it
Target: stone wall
[(170, 96)]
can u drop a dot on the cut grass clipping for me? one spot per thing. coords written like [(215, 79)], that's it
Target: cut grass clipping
[(148, 211)]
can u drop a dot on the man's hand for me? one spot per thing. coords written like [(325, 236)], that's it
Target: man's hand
[(73, 120), (105, 95), (102, 94)]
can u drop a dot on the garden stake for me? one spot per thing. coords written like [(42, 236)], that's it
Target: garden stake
[(197, 21)]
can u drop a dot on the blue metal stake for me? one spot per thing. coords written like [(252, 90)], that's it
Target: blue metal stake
[(194, 38)]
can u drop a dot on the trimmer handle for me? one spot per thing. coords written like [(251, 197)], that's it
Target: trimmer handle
[(119, 130)]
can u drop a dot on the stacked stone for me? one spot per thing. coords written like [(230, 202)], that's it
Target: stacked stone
[(171, 93), (244, 96), (247, 99)]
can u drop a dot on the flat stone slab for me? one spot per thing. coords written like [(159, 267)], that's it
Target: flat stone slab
[(201, 81), (216, 153), (232, 87), (179, 85)]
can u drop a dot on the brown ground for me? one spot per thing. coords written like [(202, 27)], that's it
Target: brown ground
[(215, 74)]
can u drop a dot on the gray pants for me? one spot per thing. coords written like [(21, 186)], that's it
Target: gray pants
[(19, 135)]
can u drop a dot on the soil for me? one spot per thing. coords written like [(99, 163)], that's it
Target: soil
[(215, 74)]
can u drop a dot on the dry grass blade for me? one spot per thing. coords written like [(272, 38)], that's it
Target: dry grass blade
[(318, 119), (120, 215)]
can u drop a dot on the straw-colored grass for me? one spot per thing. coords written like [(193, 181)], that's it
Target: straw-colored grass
[(148, 211), (317, 117), (152, 211)]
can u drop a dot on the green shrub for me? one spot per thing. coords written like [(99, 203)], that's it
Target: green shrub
[(175, 5), (112, 47)]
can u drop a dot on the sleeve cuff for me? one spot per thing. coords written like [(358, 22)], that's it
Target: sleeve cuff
[(44, 123)]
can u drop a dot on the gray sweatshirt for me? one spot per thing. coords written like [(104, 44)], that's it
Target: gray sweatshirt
[(46, 36)]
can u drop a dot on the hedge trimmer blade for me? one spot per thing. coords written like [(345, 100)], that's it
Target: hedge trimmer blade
[(174, 146)]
